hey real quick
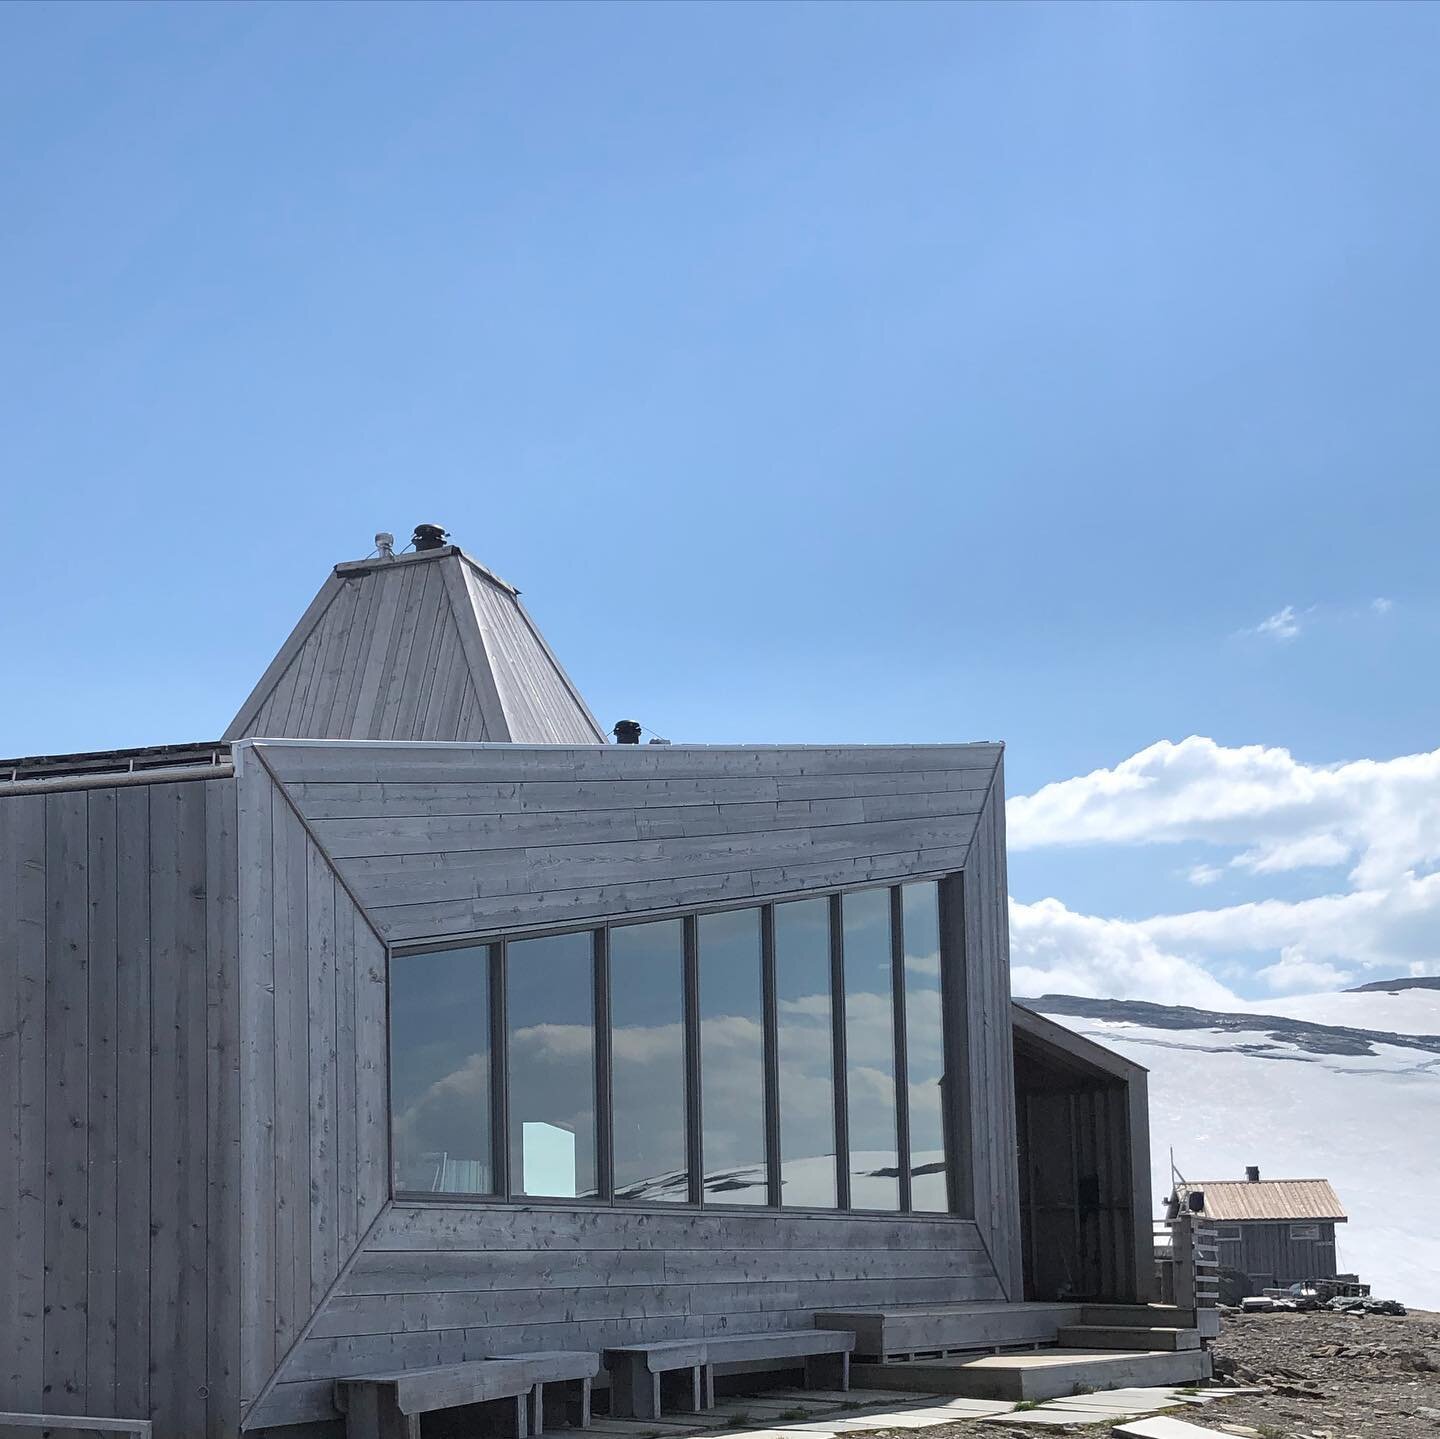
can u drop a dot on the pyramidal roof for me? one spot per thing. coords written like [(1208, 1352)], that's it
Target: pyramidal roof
[(426, 646)]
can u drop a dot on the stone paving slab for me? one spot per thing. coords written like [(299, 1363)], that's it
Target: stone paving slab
[(963, 1409), (1047, 1418), (766, 1407), (1164, 1428), (851, 1396), (670, 1427)]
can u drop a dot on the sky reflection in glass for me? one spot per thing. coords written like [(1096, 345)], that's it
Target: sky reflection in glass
[(924, 1046), (806, 1054), (647, 1021), (732, 1057), (870, 1051), (440, 1071), (550, 996)]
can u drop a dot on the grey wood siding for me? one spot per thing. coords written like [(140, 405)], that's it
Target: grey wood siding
[(538, 700), (314, 1157), (1266, 1251), (990, 1062), (425, 647), (119, 1089), (513, 833), (438, 1284), (453, 841)]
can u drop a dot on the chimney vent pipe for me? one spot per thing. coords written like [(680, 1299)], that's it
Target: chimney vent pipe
[(627, 732), (430, 537), (1252, 1173)]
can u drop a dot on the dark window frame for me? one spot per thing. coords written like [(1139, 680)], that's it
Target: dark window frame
[(954, 1019)]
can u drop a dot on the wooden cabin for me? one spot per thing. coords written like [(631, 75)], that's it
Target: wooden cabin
[(413, 1024), (1276, 1232)]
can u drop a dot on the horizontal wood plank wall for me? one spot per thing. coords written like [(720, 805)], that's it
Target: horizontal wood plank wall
[(993, 1152), (313, 1158), (439, 842), (441, 1284), (119, 1092)]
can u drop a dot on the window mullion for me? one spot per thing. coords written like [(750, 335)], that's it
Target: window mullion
[(604, 1071), (837, 1039), (772, 1055), (695, 1148), (499, 1072)]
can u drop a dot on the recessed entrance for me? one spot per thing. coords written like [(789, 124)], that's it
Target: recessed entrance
[(1083, 1213)]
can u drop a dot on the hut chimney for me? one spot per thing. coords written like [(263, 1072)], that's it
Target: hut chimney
[(1252, 1173), (430, 537), (627, 732)]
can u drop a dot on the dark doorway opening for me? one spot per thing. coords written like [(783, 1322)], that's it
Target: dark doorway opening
[(1084, 1158)]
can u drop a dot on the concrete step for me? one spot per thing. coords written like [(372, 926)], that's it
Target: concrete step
[(1132, 1337), (1045, 1374), (882, 1334), (1167, 1316)]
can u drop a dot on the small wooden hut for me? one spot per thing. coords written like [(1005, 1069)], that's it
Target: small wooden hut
[(1276, 1232)]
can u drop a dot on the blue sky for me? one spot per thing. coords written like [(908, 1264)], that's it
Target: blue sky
[(820, 372)]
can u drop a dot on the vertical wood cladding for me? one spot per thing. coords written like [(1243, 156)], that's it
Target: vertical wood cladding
[(994, 1166), (425, 647), (119, 1091), (1271, 1256), (314, 1146)]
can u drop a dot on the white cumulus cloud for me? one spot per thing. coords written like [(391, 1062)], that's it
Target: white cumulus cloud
[(1375, 823)]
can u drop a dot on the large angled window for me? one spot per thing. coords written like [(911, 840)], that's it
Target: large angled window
[(440, 1093), (792, 1053)]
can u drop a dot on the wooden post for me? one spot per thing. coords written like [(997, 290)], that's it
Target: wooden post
[(634, 1390)]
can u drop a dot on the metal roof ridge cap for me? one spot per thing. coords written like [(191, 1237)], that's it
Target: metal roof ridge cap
[(385, 562), (484, 571), (587, 746)]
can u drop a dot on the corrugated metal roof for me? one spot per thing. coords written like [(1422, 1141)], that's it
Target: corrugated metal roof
[(1269, 1199)]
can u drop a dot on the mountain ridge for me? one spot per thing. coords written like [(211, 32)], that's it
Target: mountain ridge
[(1309, 1035)]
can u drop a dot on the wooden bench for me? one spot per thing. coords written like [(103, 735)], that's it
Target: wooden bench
[(688, 1367), (78, 1424), (567, 1371), (389, 1406)]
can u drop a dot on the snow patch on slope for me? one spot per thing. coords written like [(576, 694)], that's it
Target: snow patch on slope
[(1370, 1123)]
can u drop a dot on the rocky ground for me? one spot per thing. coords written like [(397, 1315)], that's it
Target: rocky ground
[(1329, 1376), (1321, 1376)]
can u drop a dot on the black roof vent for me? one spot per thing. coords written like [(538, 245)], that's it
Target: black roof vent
[(430, 537), (1252, 1173), (627, 732)]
